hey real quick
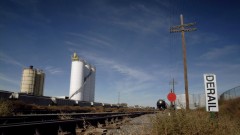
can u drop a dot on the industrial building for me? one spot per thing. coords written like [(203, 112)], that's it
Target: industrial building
[(82, 80), (32, 81)]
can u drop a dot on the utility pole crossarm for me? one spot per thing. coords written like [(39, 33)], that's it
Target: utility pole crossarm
[(180, 28), (185, 30), (184, 25)]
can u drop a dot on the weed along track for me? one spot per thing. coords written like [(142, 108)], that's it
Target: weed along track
[(60, 123)]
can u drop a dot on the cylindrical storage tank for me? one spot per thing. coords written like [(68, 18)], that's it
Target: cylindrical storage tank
[(28, 80), (87, 81), (39, 83), (76, 79), (92, 84)]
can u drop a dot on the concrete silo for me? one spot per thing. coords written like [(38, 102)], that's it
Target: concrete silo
[(32, 81), (28, 80), (92, 84), (87, 82), (39, 83), (77, 78), (82, 83)]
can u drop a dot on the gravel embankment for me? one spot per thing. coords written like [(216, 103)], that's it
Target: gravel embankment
[(135, 126)]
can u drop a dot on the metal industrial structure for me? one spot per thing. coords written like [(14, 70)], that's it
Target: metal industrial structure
[(32, 81), (184, 28), (92, 86), (82, 81)]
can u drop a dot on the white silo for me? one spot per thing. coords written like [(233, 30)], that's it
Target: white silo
[(87, 81), (77, 78), (92, 83)]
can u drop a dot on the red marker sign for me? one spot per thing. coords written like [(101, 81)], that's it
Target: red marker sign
[(171, 97)]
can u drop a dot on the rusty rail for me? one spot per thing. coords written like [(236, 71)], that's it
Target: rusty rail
[(53, 127)]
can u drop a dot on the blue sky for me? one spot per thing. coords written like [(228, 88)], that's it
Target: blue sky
[(128, 42)]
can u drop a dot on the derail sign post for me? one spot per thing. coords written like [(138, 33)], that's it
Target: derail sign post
[(211, 92)]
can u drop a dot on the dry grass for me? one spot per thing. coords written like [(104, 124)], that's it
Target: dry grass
[(64, 116), (6, 108), (199, 122)]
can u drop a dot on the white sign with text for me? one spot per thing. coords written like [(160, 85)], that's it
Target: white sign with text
[(211, 92)]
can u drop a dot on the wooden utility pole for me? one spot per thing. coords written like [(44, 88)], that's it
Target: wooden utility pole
[(184, 28), (173, 82), (172, 90), (118, 98)]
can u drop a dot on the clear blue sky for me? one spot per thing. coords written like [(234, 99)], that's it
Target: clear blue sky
[(127, 40)]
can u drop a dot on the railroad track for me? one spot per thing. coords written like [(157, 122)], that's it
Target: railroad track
[(52, 124), (44, 117)]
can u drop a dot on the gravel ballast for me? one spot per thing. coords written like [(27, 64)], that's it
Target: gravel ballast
[(134, 126)]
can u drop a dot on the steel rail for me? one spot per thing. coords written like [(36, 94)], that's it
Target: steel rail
[(54, 126), (46, 117)]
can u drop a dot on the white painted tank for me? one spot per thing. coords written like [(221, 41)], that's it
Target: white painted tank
[(77, 78), (92, 84), (87, 75), (28, 80)]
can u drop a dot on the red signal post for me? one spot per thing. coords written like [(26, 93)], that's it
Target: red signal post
[(171, 97)]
